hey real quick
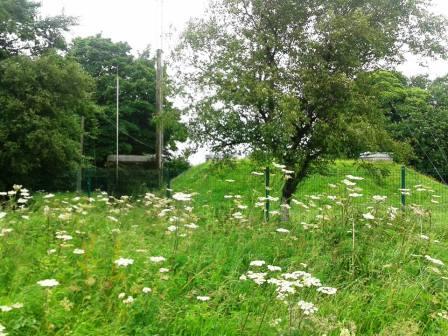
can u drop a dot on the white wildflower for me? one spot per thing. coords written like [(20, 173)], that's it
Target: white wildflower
[(327, 290), (78, 251), (354, 178), (146, 290), (274, 268), (203, 298), (257, 263), (157, 259), (179, 196), (172, 228), (128, 300), (368, 216), (434, 261), (164, 270), (379, 198), (308, 308), (123, 262), (48, 283), (349, 183), (282, 230)]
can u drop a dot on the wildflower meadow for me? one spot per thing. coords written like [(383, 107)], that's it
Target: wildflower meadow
[(206, 262)]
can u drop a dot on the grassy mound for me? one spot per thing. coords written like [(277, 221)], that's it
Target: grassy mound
[(341, 266), (212, 181)]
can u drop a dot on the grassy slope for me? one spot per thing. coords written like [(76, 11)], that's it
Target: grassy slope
[(209, 181), (382, 289)]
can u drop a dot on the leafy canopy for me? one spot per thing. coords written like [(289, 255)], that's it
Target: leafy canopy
[(41, 101), (277, 76), (23, 31)]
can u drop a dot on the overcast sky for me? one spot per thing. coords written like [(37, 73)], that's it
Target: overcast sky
[(139, 23)]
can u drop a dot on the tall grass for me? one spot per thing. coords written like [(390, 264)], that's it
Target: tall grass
[(217, 277)]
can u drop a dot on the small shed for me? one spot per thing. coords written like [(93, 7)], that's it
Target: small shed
[(375, 157), (129, 160)]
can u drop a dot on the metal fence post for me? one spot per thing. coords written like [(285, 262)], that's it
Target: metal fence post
[(403, 186), (267, 189), (168, 183)]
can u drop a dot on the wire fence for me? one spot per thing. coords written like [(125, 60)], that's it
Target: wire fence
[(235, 187), (129, 181)]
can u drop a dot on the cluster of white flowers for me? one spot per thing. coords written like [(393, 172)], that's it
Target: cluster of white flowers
[(378, 198), (307, 308), (5, 309), (282, 230), (157, 259), (203, 298), (5, 231), (443, 314), (2, 330), (123, 262), (18, 195), (48, 283), (434, 260), (286, 283), (63, 235), (182, 197)]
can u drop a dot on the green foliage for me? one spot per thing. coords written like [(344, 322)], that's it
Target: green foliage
[(41, 102), (385, 285), (22, 31), (279, 76), (102, 58), (417, 114)]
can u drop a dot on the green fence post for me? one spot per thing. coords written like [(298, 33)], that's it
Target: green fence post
[(89, 183), (267, 189), (168, 184), (403, 186)]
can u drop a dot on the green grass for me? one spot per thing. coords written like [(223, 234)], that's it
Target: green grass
[(385, 284)]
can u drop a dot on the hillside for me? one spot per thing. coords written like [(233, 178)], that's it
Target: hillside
[(212, 181)]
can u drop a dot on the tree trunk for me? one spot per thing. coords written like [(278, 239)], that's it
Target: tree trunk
[(290, 187)]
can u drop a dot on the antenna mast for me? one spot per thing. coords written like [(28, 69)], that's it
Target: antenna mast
[(159, 100)]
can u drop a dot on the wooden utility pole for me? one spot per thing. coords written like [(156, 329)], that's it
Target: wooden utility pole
[(159, 112), (117, 126), (79, 175)]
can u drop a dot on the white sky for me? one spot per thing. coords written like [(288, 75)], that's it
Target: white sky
[(138, 22)]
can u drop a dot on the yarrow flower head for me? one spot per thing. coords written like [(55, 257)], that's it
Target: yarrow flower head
[(308, 308), (327, 290), (128, 300), (158, 259), (123, 262), (48, 283), (257, 263), (368, 216), (274, 268), (203, 298), (434, 261), (179, 196), (282, 230)]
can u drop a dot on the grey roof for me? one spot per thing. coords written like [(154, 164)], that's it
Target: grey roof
[(376, 156), (131, 158)]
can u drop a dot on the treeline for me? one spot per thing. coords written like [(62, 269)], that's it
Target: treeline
[(46, 86), (412, 120)]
